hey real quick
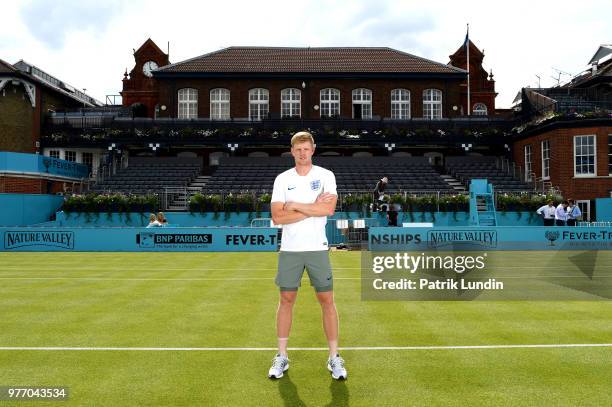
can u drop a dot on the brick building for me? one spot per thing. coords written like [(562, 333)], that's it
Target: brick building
[(27, 95), (139, 87), (482, 85), (252, 97), (566, 140), (256, 83)]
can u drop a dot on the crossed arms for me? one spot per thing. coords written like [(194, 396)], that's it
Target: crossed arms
[(292, 212)]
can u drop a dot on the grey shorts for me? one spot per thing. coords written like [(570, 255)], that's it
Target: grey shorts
[(291, 267)]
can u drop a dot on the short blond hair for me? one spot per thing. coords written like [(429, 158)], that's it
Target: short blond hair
[(302, 137)]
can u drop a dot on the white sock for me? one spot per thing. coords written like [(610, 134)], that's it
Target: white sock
[(282, 346), (333, 349)]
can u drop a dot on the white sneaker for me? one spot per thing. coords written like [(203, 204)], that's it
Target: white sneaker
[(336, 366), (280, 364)]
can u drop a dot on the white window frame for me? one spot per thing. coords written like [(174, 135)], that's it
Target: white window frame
[(528, 162), (329, 102), (399, 105), (585, 208), (89, 165), (432, 106), (187, 103), (259, 103), (71, 152), (83, 154), (54, 154), (480, 109), (545, 147), (363, 97), (220, 104), (609, 154), (291, 103), (575, 156)]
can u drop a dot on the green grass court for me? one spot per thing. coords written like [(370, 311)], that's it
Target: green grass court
[(228, 300)]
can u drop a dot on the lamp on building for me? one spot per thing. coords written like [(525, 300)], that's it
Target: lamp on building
[(303, 85)]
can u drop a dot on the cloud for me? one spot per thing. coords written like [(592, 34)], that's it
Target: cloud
[(385, 24), (98, 37), (52, 22)]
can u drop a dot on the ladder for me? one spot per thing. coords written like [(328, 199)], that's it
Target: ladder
[(482, 204)]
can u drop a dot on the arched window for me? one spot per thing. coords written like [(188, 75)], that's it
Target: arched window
[(400, 104), (187, 103), (291, 100), (330, 102), (362, 103), (480, 109), (432, 104), (220, 104), (258, 103)]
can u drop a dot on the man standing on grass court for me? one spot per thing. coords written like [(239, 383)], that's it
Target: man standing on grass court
[(302, 199)]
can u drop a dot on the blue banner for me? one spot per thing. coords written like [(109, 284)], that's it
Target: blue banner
[(22, 163), (490, 238), (139, 239)]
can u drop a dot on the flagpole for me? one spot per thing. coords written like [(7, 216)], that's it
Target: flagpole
[(467, 47)]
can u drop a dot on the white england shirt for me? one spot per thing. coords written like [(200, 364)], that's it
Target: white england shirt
[(308, 234)]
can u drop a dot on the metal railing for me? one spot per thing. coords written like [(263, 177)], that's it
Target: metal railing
[(179, 198), (604, 224), (104, 128)]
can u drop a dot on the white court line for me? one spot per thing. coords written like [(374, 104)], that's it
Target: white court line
[(264, 278), (156, 279), (91, 348), (160, 268)]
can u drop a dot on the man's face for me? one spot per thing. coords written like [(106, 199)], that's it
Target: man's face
[(302, 152)]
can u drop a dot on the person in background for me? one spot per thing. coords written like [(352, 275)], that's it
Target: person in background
[(561, 214), (547, 212), (392, 215), (379, 192), (162, 219), (153, 223), (573, 213)]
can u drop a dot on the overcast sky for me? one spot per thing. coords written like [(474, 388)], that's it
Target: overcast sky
[(89, 44)]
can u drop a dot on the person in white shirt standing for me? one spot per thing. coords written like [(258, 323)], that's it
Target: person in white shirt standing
[(548, 213), (573, 213), (561, 214), (302, 199)]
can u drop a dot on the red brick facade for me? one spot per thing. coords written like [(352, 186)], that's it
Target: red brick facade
[(139, 88), (23, 185), (562, 161), (482, 89), (239, 95)]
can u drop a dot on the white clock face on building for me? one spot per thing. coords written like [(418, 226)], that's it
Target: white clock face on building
[(148, 67)]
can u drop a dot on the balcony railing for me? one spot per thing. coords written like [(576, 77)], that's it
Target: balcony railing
[(103, 128)]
